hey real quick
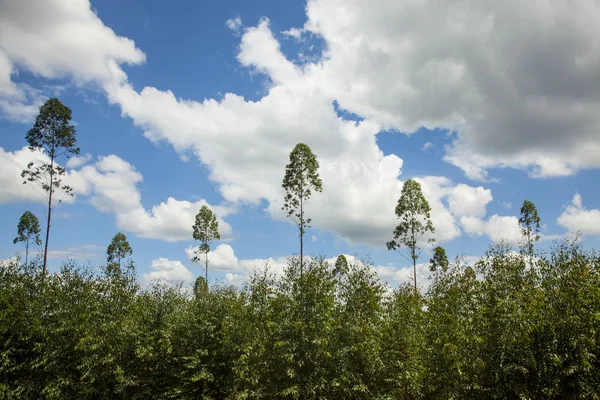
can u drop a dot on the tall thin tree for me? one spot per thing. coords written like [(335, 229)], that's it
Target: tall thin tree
[(300, 180), (530, 228), (28, 229), (53, 134), (414, 212), (116, 251), (206, 229)]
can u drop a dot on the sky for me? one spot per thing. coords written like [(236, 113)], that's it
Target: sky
[(190, 103)]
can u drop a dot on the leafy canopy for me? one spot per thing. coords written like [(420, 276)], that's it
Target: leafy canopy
[(439, 261), (300, 180), (415, 219), (206, 228), (28, 229), (530, 226), (118, 249)]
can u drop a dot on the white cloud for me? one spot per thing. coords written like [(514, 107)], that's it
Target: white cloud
[(384, 64), (468, 200), (164, 269), (294, 33), (507, 204), (234, 24), (223, 259), (55, 39), (454, 65), (13, 163), (360, 183), (78, 161), (427, 146), (576, 218), (497, 228), (110, 185)]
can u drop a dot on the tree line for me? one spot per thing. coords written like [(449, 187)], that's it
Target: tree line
[(500, 328), (512, 325)]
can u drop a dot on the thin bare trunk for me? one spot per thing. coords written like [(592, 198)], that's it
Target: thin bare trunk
[(49, 214), (26, 251), (206, 268), (301, 237)]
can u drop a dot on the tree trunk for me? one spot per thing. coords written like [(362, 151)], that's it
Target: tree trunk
[(206, 268), (49, 214), (301, 237), (415, 272), (26, 251)]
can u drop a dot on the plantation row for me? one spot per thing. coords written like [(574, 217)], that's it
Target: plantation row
[(509, 327)]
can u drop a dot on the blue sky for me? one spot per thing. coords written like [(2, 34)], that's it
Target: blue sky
[(196, 103)]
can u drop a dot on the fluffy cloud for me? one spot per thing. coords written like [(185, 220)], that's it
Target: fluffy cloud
[(497, 228), (577, 218), (383, 63), (13, 163), (55, 39), (360, 183), (223, 259), (468, 200), (164, 269), (454, 65), (237, 272), (110, 185)]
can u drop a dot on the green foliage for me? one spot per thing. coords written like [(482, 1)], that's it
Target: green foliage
[(497, 329), (530, 227), (118, 249), (53, 134), (28, 229), (415, 221), (200, 287), (300, 180), (439, 261), (341, 266), (206, 229)]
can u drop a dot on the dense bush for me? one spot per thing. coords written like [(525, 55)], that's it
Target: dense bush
[(504, 327)]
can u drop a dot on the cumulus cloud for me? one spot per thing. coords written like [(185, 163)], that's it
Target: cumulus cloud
[(56, 39), (576, 218), (468, 200), (223, 259), (164, 269), (454, 65), (110, 185), (360, 183), (238, 271), (13, 163), (508, 101), (78, 161), (497, 228)]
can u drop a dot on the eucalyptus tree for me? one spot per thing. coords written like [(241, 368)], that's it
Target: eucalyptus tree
[(439, 261), (53, 134), (118, 249), (530, 227), (28, 229), (300, 180), (415, 221), (341, 266), (206, 229)]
